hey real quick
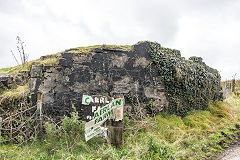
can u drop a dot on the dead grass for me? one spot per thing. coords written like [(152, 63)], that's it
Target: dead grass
[(13, 94)]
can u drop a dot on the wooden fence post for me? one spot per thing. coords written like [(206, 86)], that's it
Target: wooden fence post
[(39, 107), (233, 85), (115, 128), (115, 132)]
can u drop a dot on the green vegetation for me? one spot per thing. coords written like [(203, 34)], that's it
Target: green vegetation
[(52, 60), (10, 98), (189, 84), (198, 135), (84, 50), (19, 92)]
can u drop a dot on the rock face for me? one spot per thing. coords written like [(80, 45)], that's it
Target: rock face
[(4, 79), (102, 71), (3, 82), (12, 81)]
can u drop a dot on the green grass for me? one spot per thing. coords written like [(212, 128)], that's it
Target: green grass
[(52, 60), (199, 135), (84, 50)]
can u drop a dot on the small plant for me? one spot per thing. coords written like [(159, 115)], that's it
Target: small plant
[(150, 104), (71, 133), (21, 50), (157, 152), (73, 125), (150, 107)]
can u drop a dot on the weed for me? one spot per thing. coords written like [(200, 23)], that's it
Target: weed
[(155, 151)]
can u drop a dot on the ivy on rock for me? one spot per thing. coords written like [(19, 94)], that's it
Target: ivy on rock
[(189, 84)]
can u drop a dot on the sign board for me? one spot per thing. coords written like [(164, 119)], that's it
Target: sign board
[(93, 103), (87, 100), (112, 110)]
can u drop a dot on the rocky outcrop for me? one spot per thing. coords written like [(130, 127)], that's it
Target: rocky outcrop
[(102, 71), (3, 82), (12, 81)]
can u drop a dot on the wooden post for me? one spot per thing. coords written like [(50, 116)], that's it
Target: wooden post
[(115, 132), (233, 84), (115, 128), (39, 107)]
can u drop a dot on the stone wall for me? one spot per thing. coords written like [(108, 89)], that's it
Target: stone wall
[(102, 71), (13, 81)]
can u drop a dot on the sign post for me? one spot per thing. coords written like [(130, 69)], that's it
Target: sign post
[(112, 111)]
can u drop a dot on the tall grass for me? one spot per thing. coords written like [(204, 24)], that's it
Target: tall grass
[(199, 135)]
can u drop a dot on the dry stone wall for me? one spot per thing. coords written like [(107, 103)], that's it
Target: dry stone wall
[(102, 71)]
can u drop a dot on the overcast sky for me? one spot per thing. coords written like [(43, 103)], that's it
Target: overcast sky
[(206, 28)]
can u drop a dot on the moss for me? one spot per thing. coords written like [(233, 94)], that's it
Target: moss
[(84, 50), (6, 70)]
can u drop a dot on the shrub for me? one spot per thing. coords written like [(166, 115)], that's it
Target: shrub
[(71, 133), (73, 125), (189, 84)]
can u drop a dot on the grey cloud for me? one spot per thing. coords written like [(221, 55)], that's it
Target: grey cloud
[(11, 7), (79, 23), (160, 18)]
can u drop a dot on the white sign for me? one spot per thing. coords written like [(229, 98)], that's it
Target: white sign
[(94, 102), (112, 110), (86, 100)]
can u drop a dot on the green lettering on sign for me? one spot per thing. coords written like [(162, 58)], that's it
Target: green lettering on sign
[(112, 105), (100, 119), (104, 110), (105, 115), (96, 120), (86, 100), (110, 112), (118, 102), (108, 107), (96, 114), (93, 128)]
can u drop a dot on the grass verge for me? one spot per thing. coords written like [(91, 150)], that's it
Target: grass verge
[(199, 135)]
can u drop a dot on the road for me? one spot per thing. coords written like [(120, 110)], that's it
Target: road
[(232, 153)]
